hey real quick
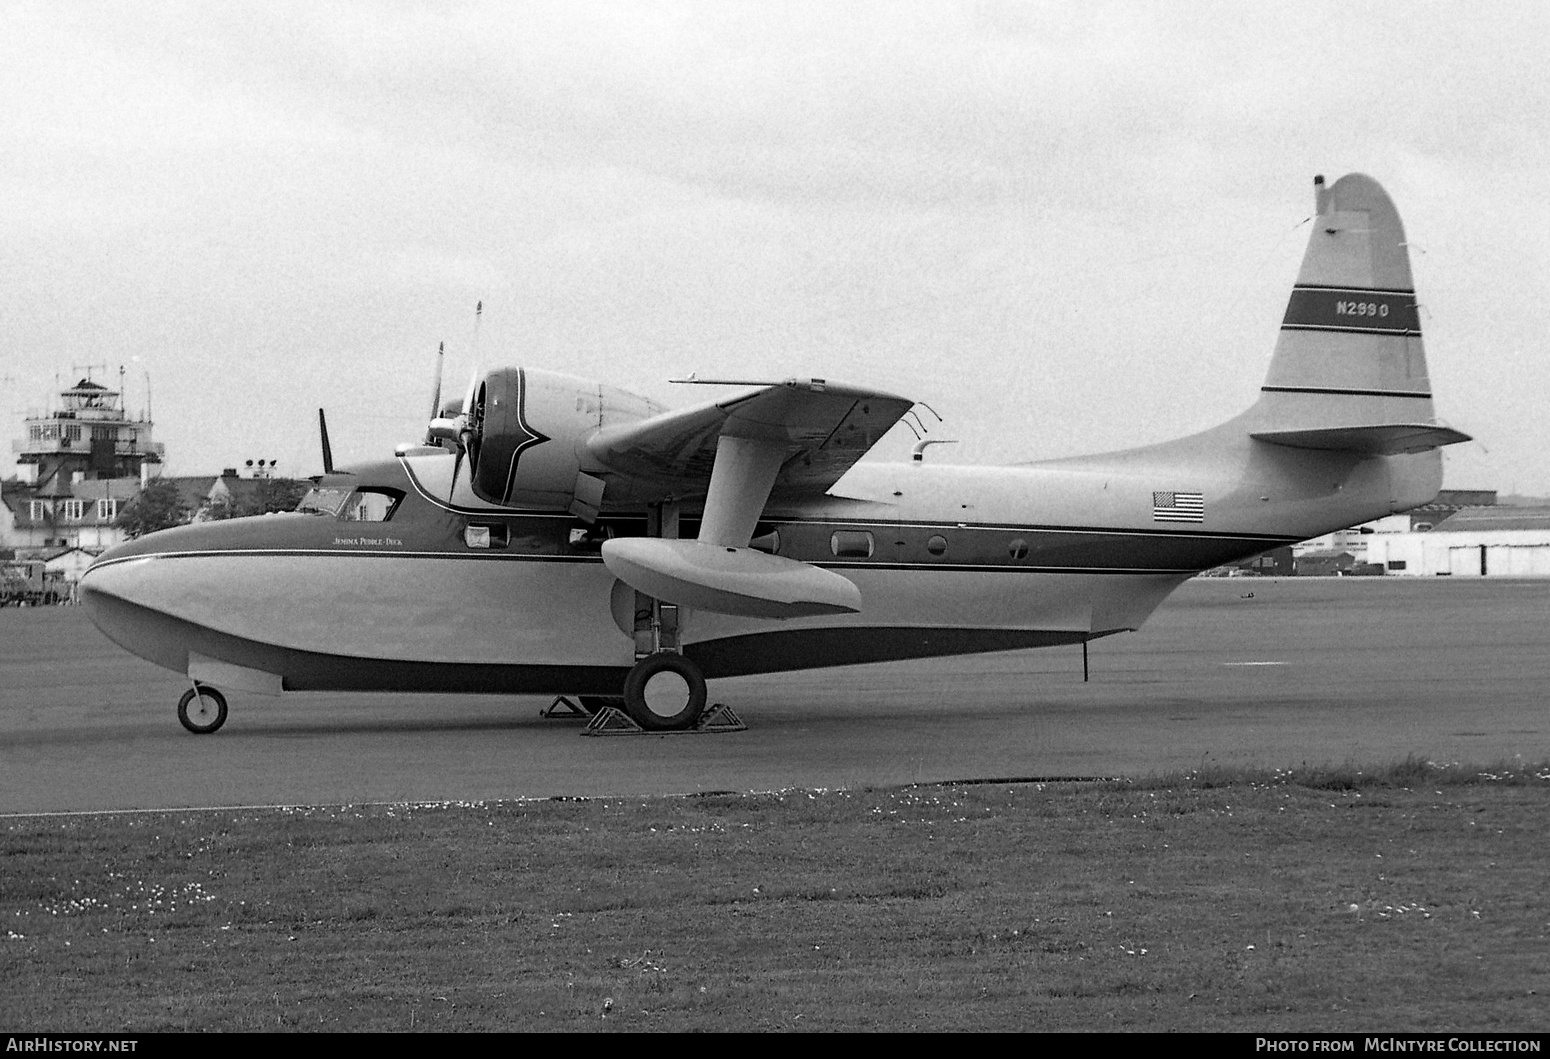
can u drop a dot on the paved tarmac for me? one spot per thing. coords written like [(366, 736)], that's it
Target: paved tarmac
[(1240, 672)]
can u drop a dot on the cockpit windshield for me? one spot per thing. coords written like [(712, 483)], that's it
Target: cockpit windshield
[(323, 501), (351, 505)]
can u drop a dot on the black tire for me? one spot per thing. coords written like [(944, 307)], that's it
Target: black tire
[(664, 693), (595, 704), (208, 716)]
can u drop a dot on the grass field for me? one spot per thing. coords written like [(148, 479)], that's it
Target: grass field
[(1411, 898)]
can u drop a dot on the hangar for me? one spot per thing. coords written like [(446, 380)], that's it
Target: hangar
[(1473, 542)]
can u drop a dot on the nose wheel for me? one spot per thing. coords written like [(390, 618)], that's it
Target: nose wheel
[(665, 692), (202, 709)]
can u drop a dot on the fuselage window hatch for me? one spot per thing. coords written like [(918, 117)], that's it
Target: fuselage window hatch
[(486, 535), (851, 544), (371, 504)]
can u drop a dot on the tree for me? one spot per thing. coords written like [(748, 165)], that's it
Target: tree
[(156, 507), (263, 496)]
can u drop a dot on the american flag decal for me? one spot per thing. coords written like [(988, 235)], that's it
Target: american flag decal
[(1178, 507)]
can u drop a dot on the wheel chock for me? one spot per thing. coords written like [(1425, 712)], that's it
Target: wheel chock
[(563, 709), (719, 718), (611, 721)]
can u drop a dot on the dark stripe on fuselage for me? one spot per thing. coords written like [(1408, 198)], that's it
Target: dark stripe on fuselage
[(786, 651), (896, 547)]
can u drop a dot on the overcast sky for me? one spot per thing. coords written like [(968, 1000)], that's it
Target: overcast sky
[(1067, 227)]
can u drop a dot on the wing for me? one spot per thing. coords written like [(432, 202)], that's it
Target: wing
[(819, 429), (795, 437)]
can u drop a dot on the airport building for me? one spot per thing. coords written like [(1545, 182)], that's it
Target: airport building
[(1474, 542), (82, 464), (1462, 533)]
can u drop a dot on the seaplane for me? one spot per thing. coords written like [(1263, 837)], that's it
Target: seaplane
[(554, 535)]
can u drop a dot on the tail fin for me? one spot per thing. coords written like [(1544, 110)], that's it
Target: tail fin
[(1349, 371)]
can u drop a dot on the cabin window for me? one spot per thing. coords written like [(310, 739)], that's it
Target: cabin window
[(851, 544), (1018, 549), (1396, 564), (589, 538), (936, 544), (486, 535), (371, 505)]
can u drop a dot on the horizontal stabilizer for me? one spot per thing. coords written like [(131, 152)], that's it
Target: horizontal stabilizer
[(1389, 439), (727, 580)]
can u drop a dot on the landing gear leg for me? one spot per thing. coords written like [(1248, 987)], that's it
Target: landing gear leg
[(202, 709), (665, 692)]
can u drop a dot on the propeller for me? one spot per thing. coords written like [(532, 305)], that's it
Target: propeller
[(458, 425)]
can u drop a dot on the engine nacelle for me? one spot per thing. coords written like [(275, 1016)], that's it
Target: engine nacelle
[(530, 429)]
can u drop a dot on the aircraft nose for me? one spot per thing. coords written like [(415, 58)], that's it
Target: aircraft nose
[(118, 598), (105, 578)]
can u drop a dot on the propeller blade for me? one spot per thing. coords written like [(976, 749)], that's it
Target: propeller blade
[(461, 428), (468, 423), (438, 428), (328, 451), (441, 355)]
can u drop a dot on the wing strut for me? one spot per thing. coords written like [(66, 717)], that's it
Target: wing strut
[(740, 484)]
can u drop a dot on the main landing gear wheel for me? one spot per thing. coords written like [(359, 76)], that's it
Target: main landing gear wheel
[(664, 693), (202, 710)]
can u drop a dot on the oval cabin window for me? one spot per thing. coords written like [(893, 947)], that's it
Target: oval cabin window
[(851, 544)]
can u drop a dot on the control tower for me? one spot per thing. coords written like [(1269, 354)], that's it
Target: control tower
[(87, 437)]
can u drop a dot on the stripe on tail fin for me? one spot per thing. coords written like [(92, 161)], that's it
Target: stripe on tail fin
[(1349, 370)]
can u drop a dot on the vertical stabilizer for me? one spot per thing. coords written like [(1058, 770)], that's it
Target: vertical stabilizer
[(1349, 371)]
